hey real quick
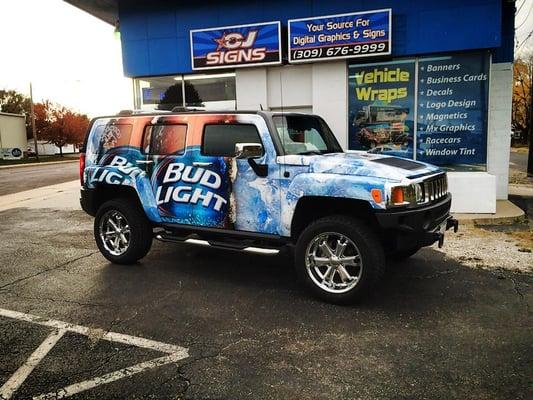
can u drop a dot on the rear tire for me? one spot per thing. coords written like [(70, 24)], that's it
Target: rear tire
[(339, 259), (122, 232)]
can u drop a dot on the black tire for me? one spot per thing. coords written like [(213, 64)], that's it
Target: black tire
[(368, 246), (402, 255), (140, 228)]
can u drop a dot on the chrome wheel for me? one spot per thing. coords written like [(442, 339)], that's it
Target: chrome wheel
[(115, 232), (333, 262)]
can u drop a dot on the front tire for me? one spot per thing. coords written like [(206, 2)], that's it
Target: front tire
[(122, 232), (339, 259)]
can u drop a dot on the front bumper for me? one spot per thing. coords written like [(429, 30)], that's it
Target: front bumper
[(418, 227), (421, 219)]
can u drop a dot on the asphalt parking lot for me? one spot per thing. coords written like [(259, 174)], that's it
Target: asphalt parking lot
[(435, 328)]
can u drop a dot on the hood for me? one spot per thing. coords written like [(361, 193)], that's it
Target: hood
[(371, 165)]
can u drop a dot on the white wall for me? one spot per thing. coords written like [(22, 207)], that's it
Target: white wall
[(12, 131), (251, 88), (472, 192), (290, 86), (330, 97), (48, 149), (499, 125)]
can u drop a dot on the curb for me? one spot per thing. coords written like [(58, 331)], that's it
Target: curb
[(507, 213), (492, 221), (37, 163), (521, 190)]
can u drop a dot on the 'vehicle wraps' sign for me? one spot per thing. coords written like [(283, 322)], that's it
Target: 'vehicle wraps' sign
[(236, 46), (361, 34), (433, 109)]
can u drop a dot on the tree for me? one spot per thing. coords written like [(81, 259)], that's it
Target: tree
[(173, 97), (522, 105), (59, 125), (43, 116)]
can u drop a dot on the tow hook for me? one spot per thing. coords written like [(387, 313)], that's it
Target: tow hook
[(452, 223), (440, 239)]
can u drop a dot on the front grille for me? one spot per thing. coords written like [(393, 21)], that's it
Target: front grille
[(434, 188)]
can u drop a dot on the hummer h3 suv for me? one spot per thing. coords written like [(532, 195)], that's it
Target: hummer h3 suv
[(259, 182)]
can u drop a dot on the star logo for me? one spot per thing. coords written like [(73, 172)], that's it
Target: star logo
[(221, 42)]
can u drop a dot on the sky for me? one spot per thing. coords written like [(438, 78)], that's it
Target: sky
[(524, 27), (71, 57), (75, 58)]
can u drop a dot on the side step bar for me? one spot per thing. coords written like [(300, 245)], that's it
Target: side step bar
[(218, 245)]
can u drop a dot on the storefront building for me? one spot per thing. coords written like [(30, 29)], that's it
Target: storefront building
[(425, 80)]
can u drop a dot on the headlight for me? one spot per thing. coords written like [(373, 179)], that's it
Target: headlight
[(406, 195)]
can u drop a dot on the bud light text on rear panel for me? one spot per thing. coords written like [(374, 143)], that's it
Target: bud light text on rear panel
[(361, 34), (236, 46)]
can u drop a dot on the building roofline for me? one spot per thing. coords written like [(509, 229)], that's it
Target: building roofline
[(12, 115), (105, 10)]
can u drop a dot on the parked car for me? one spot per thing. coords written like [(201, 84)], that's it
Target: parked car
[(259, 182)]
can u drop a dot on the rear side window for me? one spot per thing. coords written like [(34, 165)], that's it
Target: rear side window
[(220, 140), (104, 137), (113, 135), (165, 139)]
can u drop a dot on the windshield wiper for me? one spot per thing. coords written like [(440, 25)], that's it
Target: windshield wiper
[(309, 152)]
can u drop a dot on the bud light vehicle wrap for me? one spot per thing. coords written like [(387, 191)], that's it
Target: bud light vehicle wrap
[(257, 181)]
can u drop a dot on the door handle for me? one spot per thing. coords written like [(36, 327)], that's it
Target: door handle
[(144, 161), (202, 164)]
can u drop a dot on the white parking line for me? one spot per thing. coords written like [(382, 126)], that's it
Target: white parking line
[(83, 330), (174, 354), (10, 387), (108, 378)]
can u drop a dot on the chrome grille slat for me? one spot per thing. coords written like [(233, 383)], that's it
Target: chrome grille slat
[(434, 188)]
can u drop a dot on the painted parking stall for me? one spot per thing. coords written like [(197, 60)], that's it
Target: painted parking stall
[(58, 328)]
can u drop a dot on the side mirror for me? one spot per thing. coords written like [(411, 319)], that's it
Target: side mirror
[(248, 150)]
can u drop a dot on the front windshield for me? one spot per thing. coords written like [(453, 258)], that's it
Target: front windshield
[(305, 134)]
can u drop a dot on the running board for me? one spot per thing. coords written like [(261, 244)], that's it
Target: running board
[(218, 245)]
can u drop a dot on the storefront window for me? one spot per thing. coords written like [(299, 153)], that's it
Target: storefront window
[(432, 109), (382, 107), (209, 91)]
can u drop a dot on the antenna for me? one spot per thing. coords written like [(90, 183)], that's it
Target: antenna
[(283, 124)]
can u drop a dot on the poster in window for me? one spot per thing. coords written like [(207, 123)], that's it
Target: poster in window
[(381, 107), (452, 109)]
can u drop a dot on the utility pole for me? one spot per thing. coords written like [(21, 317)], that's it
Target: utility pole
[(530, 130), (34, 131)]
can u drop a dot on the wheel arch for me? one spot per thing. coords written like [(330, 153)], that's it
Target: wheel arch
[(311, 208), (104, 192)]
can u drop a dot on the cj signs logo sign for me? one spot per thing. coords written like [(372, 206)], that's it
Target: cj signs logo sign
[(236, 46)]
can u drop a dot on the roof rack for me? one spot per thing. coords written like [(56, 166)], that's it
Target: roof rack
[(187, 109), (140, 112)]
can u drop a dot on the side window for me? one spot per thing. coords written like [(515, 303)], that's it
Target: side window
[(114, 135), (219, 140), (164, 139), (105, 137)]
